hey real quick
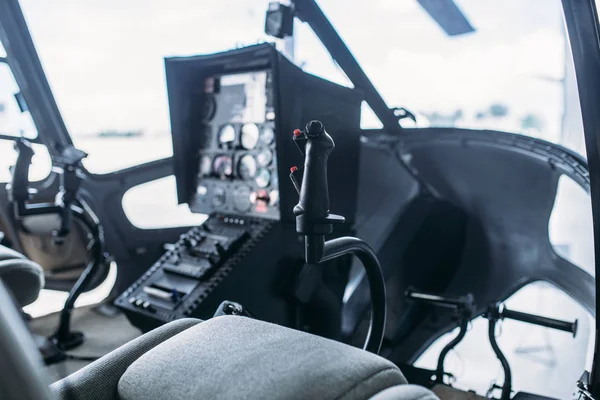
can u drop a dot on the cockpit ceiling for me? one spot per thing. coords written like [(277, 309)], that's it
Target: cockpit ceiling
[(483, 231)]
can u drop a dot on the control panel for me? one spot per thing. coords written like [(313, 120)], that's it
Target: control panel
[(192, 268), (232, 114), (237, 171)]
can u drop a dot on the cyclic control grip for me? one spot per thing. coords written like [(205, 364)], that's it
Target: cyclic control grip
[(314, 221), (312, 211)]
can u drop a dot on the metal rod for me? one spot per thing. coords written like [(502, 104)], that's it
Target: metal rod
[(310, 12), (350, 245), (437, 300), (557, 324), (439, 373), (506, 386)]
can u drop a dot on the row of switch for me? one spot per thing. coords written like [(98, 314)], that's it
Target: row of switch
[(141, 303)]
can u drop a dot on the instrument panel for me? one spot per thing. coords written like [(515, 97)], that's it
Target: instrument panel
[(237, 171)]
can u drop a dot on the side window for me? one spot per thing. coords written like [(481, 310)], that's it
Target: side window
[(571, 225), (542, 360), (145, 210), (41, 165), (14, 123)]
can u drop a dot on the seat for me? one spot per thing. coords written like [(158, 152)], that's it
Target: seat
[(234, 357), (23, 278), (227, 357)]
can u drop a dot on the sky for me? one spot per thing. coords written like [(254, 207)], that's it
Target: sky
[(105, 58), (105, 64)]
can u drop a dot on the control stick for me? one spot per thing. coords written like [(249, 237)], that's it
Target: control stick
[(314, 221), (497, 312)]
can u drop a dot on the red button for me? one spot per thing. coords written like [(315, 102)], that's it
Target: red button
[(294, 169), (297, 132)]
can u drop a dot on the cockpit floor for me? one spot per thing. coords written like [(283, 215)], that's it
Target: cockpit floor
[(103, 333)]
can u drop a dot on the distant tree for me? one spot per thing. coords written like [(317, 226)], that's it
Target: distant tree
[(2, 107), (498, 110), (531, 121)]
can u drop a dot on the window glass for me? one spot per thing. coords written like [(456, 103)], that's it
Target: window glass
[(13, 122), (571, 225), (105, 63), (147, 210), (543, 361), (513, 73), (41, 164)]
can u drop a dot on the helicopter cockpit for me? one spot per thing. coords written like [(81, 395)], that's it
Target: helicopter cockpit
[(320, 241)]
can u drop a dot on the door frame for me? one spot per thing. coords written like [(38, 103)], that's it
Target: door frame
[(581, 18)]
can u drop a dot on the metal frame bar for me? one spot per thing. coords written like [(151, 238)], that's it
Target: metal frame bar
[(310, 12), (29, 75), (581, 18)]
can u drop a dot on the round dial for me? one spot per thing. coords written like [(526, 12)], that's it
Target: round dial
[(219, 196), (226, 135), (263, 177), (205, 166), (223, 166), (241, 198), (247, 167), (249, 136), (267, 135), (264, 158)]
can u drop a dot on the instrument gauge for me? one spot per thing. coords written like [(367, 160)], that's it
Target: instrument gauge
[(263, 177), (247, 167), (267, 135), (264, 158), (249, 136), (241, 198), (223, 166), (219, 196), (227, 135), (205, 166), (274, 179)]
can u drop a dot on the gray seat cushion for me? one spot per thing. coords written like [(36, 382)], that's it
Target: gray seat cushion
[(23, 278), (240, 358), (98, 380)]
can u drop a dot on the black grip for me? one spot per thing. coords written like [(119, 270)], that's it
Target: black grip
[(20, 171), (314, 191), (541, 321)]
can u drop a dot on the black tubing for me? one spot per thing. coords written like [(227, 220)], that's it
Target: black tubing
[(350, 245)]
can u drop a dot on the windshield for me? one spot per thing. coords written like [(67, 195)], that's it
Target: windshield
[(104, 61)]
